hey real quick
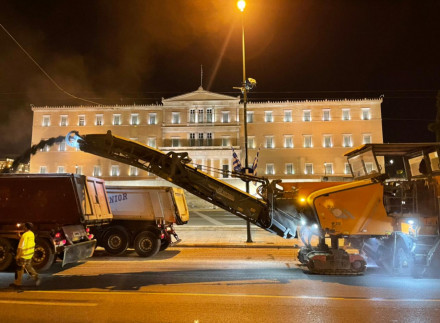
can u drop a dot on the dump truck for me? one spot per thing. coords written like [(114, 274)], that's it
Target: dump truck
[(62, 207), (143, 219), (369, 214)]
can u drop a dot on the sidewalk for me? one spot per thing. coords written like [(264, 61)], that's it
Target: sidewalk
[(230, 237)]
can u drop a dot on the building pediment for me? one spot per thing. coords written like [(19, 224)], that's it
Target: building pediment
[(200, 95)]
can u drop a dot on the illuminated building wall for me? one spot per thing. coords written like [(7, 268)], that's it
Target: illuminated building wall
[(297, 139)]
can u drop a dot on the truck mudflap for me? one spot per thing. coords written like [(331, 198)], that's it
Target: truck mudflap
[(78, 251)]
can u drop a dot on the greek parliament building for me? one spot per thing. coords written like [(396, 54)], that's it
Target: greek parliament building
[(297, 140)]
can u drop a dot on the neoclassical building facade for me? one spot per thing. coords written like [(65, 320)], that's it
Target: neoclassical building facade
[(296, 140)]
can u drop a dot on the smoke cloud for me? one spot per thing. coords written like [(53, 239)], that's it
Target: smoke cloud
[(24, 157)]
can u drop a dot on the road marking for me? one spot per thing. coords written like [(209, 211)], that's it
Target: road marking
[(48, 303), (207, 218), (304, 297)]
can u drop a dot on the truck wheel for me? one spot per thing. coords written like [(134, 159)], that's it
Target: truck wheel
[(6, 257), (146, 244), (164, 243), (115, 240), (43, 255)]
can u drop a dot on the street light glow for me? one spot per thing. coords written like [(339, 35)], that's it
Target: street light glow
[(241, 5)]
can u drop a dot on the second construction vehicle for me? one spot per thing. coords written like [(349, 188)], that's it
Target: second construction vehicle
[(143, 219), (372, 213)]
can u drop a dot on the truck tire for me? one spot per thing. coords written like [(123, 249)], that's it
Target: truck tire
[(165, 243), (44, 255), (115, 240), (146, 244), (6, 256)]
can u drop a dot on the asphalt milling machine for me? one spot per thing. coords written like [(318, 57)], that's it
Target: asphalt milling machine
[(388, 214)]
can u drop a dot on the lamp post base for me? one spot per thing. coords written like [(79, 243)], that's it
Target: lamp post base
[(249, 237)]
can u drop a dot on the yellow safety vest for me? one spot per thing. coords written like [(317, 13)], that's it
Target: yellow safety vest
[(27, 245)]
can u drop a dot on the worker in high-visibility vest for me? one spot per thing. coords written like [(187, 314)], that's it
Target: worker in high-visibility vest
[(25, 252)]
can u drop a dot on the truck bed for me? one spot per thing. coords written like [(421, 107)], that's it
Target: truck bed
[(49, 199), (148, 203)]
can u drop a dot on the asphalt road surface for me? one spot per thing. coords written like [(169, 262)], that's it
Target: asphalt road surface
[(215, 285)]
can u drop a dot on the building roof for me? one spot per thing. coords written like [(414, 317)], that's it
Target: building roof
[(200, 95), (398, 149)]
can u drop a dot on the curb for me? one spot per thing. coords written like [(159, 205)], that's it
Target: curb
[(244, 245)]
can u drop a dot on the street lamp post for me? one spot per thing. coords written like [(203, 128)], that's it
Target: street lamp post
[(241, 5)]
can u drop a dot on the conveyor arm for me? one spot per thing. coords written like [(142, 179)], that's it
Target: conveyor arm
[(175, 168)]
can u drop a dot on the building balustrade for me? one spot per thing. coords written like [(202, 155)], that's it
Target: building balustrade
[(219, 142)]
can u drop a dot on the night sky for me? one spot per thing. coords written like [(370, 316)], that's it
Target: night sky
[(127, 51)]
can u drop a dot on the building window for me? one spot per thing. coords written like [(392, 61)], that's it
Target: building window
[(63, 121), (134, 119), (289, 169), (366, 114), (175, 118), (250, 116), (307, 115), (288, 141), (251, 142), (152, 142), (43, 169), (369, 167), (225, 116), (133, 171), (96, 170), (326, 115), (78, 170), (308, 169), (60, 169), (114, 170), (209, 139), (46, 147), (328, 168), (116, 119), (200, 141), (62, 146), (287, 115), (346, 141), (270, 170), (209, 117), (81, 120), (308, 141), (269, 142), (152, 118), (328, 143), (225, 141), (268, 116), (175, 142), (99, 119), (347, 169), (200, 116), (192, 116), (46, 121), (366, 139), (345, 114), (192, 139)]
